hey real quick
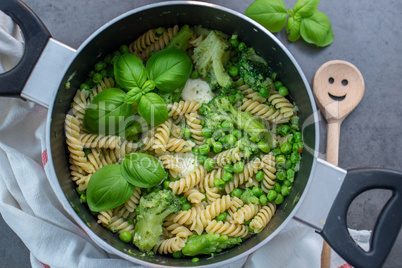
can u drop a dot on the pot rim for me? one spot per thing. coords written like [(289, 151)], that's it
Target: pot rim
[(51, 173)]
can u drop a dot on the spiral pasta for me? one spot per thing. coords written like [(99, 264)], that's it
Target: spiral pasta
[(170, 162), (120, 225), (251, 94), (282, 104), (189, 181), (178, 109), (245, 213), (226, 228), (175, 229), (228, 157), (264, 111), (214, 209), (179, 145), (194, 124), (263, 217), (207, 185), (194, 196), (162, 136), (269, 172), (170, 245)]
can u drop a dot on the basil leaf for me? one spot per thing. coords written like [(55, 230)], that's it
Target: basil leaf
[(129, 72), (153, 109), (108, 189), (134, 95), (169, 69), (148, 86), (317, 29), (305, 8), (293, 29), (108, 114), (142, 170), (271, 14)]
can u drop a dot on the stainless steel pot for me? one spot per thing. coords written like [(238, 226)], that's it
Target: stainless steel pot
[(321, 192)]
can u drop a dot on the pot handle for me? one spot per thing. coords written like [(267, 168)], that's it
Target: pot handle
[(36, 37), (388, 224)]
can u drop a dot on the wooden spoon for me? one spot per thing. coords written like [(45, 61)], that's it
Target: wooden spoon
[(338, 88)]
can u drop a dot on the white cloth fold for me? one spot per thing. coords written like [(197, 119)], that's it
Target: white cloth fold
[(30, 207)]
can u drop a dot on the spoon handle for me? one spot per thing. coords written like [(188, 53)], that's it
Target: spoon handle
[(333, 134)]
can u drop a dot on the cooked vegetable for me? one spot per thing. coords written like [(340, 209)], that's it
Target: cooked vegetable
[(208, 243), (248, 197), (142, 170), (108, 189), (210, 57), (180, 40), (153, 209)]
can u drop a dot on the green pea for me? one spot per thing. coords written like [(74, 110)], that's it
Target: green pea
[(195, 151), (238, 167), (284, 130), (277, 187), (125, 236), (234, 42), (278, 84), (123, 49), (186, 133), (91, 73), (272, 195), (195, 260), (264, 92), (259, 176), (210, 142), (228, 168), (281, 174), (276, 151), (217, 147), (257, 191), (103, 73), (233, 71), (230, 139), (279, 199), (194, 74), (97, 78), (177, 254), (209, 164), (183, 199), (280, 160), (263, 200), (204, 149), (99, 66), (263, 146), (286, 148), (288, 164), (219, 183), (227, 126), (218, 134), (80, 192), (242, 46), (222, 216), (85, 86), (166, 185), (287, 183), (227, 177), (206, 132), (291, 140), (237, 193), (83, 198), (203, 109), (186, 206), (298, 136), (201, 159), (237, 134), (290, 174), (295, 157), (285, 190), (283, 91)]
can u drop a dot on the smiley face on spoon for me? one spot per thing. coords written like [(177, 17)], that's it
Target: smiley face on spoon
[(338, 88)]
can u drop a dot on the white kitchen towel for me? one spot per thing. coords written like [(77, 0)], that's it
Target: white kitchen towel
[(30, 207)]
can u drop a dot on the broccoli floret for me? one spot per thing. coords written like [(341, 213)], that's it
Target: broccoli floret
[(180, 40), (210, 57), (255, 71), (153, 209), (208, 243), (248, 197)]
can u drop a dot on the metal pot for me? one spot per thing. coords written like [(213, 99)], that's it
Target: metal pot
[(321, 193)]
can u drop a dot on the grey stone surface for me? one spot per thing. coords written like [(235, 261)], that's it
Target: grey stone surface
[(367, 34)]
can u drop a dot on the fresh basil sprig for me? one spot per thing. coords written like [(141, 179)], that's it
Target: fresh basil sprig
[(108, 189), (112, 185), (304, 20)]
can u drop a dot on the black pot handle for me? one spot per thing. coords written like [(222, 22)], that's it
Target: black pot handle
[(388, 223), (36, 37)]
